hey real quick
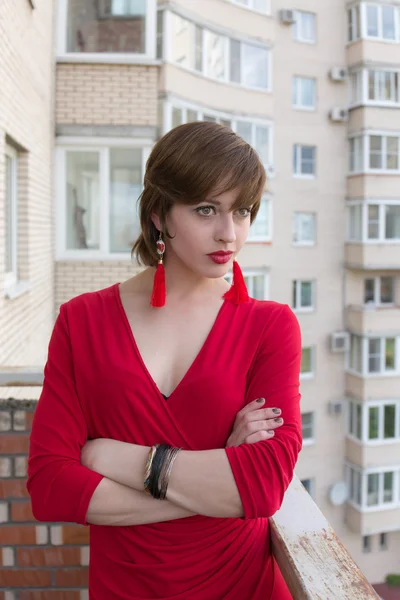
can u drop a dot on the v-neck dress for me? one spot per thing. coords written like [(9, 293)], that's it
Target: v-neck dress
[(96, 385)]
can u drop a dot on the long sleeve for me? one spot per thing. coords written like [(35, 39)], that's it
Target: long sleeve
[(263, 471), (59, 486)]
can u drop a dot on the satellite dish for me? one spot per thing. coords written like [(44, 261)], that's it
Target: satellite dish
[(338, 493)]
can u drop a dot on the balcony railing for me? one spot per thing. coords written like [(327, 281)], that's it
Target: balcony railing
[(313, 561)]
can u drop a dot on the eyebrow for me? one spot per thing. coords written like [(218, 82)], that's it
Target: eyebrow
[(210, 201)]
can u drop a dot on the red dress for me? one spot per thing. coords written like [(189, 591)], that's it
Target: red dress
[(97, 386)]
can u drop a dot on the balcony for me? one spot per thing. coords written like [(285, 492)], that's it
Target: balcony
[(372, 454), (313, 561), (374, 386), (373, 319), (371, 522), (372, 256), (373, 51)]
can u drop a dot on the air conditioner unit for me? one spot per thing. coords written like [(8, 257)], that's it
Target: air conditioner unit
[(336, 407), (340, 341), (288, 17), (339, 114), (338, 74)]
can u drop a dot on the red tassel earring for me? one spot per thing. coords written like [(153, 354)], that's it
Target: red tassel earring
[(238, 291), (159, 293)]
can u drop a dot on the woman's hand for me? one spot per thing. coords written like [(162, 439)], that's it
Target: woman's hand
[(253, 424)]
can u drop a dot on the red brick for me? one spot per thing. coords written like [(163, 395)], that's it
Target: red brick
[(12, 535), (48, 595), (72, 577), (12, 443), (25, 578), (48, 557), (75, 534), (22, 511), (29, 418), (13, 488)]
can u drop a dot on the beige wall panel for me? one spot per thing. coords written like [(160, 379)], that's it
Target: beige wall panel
[(230, 16), (220, 96), (97, 94), (373, 320), (372, 388), (370, 51), (372, 255)]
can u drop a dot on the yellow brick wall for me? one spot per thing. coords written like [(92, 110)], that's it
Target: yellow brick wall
[(101, 94), (27, 118)]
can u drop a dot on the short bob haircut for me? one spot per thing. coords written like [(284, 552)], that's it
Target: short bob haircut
[(188, 165)]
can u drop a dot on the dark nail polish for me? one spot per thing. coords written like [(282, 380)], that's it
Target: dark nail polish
[(278, 420), (259, 400), (277, 411)]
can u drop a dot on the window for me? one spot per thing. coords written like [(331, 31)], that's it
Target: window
[(355, 355), (383, 87), (383, 152), (353, 15), (256, 283), (309, 484), (356, 154), (98, 212), (304, 229), (381, 355), (370, 489), (308, 433), (304, 93), (383, 541), (355, 420), (356, 87), (382, 421), (304, 161), (303, 295), (307, 362), (380, 22), (257, 133), (366, 542), (258, 5), (107, 27), (11, 217), (261, 228), (218, 56), (304, 29), (379, 291), (374, 223)]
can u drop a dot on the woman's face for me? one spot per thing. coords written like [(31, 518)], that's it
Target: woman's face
[(205, 228)]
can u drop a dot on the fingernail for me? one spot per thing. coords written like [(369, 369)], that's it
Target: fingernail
[(277, 420), (260, 400), (277, 411)]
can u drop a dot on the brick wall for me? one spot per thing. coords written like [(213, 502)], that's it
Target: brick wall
[(98, 94), (27, 123), (38, 561)]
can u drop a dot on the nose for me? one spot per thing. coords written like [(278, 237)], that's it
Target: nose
[(226, 229)]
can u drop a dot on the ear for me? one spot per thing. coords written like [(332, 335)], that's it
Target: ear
[(156, 221)]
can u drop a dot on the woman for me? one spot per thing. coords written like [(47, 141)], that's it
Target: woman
[(201, 368)]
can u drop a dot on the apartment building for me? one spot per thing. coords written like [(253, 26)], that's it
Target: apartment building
[(315, 89)]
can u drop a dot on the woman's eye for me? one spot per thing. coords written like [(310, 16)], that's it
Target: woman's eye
[(206, 211), (244, 212)]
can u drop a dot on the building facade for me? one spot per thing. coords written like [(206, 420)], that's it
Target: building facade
[(316, 91)]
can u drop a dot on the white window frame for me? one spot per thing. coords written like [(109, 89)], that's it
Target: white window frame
[(11, 277), (169, 104), (103, 146), (365, 357), (299, 242), (297, 82), (297, 27), (379, 37), (380, 471), (309, 374), (377, 303), (297, 163), (149, 56), (225, 34), (363, 148), (250, 273), (304, 309), (362, 408), (251, 6), (353, 37), (309, 441), (364, 239), (266, 198)]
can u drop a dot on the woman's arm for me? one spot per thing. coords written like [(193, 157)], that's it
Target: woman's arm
[(247, 480), (61, 488)]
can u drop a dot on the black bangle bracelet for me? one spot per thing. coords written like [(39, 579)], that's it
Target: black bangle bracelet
[(158, 461)]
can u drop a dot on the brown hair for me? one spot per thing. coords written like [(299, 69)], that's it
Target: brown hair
[(186, 165)]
